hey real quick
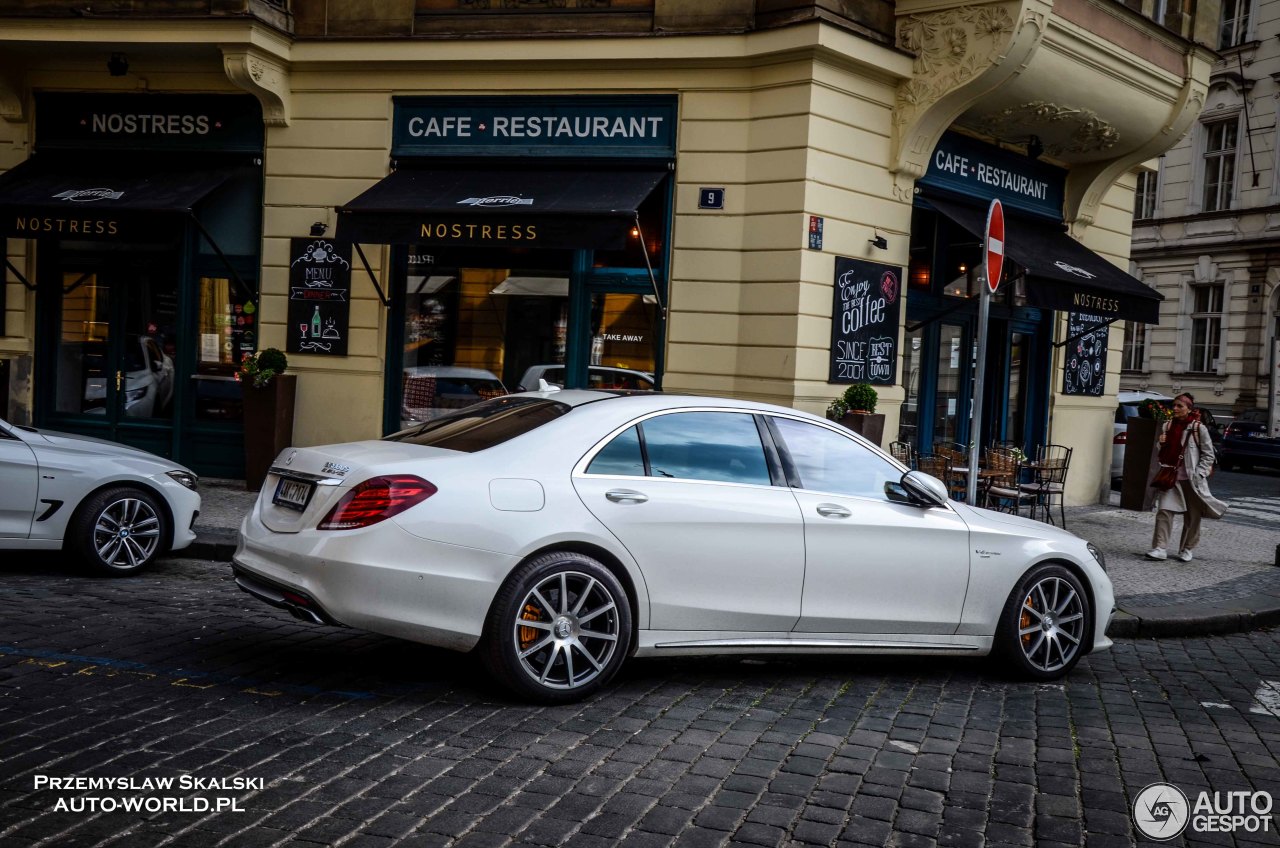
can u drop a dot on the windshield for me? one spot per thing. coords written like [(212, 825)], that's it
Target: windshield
[(484, 424)]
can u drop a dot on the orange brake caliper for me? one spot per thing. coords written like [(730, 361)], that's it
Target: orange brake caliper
[(529, 635)]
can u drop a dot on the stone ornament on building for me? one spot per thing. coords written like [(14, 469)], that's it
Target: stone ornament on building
[(961, 54), (264, 78), (1091, 134), (951, 48)]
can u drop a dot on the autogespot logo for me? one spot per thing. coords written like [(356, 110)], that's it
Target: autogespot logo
[(1161, 811)]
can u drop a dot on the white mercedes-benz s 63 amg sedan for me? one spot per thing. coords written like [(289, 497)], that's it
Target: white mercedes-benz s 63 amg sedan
[(559, 532)]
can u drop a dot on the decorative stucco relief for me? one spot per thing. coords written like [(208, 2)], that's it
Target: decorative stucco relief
[(961, 54), (11, 99), (1088, 132), (951, 48), (264, 78)]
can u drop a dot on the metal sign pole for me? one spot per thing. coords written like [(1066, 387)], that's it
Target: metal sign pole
[(992, 267), (1273, 417), (975, 425)]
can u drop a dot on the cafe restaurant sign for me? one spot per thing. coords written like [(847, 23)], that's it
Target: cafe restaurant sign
[(589, 126), (984, 172)]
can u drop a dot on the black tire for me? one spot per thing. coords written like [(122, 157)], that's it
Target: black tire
[(1046, 625), (1225, 465), (119, 531), (554, 658)]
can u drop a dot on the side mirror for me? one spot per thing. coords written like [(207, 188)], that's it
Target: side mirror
[(925, 489)]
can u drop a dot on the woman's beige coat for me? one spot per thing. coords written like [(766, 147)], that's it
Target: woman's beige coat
[(1198, 460)]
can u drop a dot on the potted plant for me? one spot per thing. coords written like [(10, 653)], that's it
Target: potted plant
[(268, 411), (1140, 449), (856, 409)]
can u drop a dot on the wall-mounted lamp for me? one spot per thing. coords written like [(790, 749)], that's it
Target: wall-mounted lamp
[(318, 228), (117, 65), (1035, 147), (879, 241), (635, 232)]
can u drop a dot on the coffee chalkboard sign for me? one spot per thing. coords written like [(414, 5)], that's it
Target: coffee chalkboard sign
[(1085, 369), (319, 297), (864, 322)]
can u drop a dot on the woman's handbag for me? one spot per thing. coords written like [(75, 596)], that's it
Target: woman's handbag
[(1167, 477)]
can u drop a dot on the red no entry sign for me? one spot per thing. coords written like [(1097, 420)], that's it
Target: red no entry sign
[(994, 244)]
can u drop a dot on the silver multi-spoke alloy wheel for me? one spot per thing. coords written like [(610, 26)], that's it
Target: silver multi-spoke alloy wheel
[(119, 531), (1047, 623), (566, 630), (1051, 624), (126, 533), (559, 629)]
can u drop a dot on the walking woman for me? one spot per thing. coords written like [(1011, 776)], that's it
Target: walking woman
[(1185, 444)]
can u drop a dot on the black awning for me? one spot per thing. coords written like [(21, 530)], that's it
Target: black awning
[(59, 198), (1062, 273), (498, 208)]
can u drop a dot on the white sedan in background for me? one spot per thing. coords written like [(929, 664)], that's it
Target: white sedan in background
[(117, 507), (559, 532)]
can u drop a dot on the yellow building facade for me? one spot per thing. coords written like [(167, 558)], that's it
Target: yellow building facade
[(797, 121)]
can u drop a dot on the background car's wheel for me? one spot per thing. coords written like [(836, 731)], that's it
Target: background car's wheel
[(1046, 624), (559, 629), (119, 531)]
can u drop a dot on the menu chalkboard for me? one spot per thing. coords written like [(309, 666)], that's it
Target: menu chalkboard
[(319, 297), (866, 304), (1085, 369)]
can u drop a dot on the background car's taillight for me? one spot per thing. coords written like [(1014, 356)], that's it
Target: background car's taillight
[(1121, 438), (377, 499)]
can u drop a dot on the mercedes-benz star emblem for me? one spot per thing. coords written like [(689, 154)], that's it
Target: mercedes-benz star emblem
[(289, 459)]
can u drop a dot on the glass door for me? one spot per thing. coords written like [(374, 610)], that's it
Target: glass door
[(114, 350)]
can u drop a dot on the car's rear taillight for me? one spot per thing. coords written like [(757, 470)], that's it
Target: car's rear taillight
[(1121, 438), (377, 499)]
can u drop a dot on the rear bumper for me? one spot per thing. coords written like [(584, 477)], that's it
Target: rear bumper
[(379, 578), (299, 605)]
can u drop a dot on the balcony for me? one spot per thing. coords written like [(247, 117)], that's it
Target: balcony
[(1091, 84)]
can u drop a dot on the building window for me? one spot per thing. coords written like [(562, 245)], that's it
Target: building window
[(1144, 205), (1235, 23), (1219, 164), (1206, 327), (1135, 347)]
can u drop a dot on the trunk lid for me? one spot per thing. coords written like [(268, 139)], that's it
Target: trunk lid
[(304, 484)]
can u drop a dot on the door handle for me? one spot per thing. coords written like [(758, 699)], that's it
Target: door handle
[(833, 511), (626, 496), (119, 377)]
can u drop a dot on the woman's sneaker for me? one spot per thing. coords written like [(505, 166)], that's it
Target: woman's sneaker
[(1185, 556), (1157, 553)]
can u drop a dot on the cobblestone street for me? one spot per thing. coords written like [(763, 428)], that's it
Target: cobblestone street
[(360, 740)]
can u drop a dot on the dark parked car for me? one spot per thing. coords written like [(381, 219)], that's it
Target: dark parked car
[(1247, 445)]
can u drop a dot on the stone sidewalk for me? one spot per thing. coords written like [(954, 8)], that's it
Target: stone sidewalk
[(1232, 585)]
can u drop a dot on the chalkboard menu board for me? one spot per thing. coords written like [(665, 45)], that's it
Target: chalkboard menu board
[(1085, 369), (864, 322), (319, 297)]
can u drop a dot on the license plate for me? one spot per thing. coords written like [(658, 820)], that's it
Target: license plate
[(292, 494)]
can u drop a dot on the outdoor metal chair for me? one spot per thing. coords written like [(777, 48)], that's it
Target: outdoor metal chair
[(904, 453), (1003, 491), (1048, 480), (935, 465)]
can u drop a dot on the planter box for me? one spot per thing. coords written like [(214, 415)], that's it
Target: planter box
[(868, 425), (1139, 452), (268, 426)]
